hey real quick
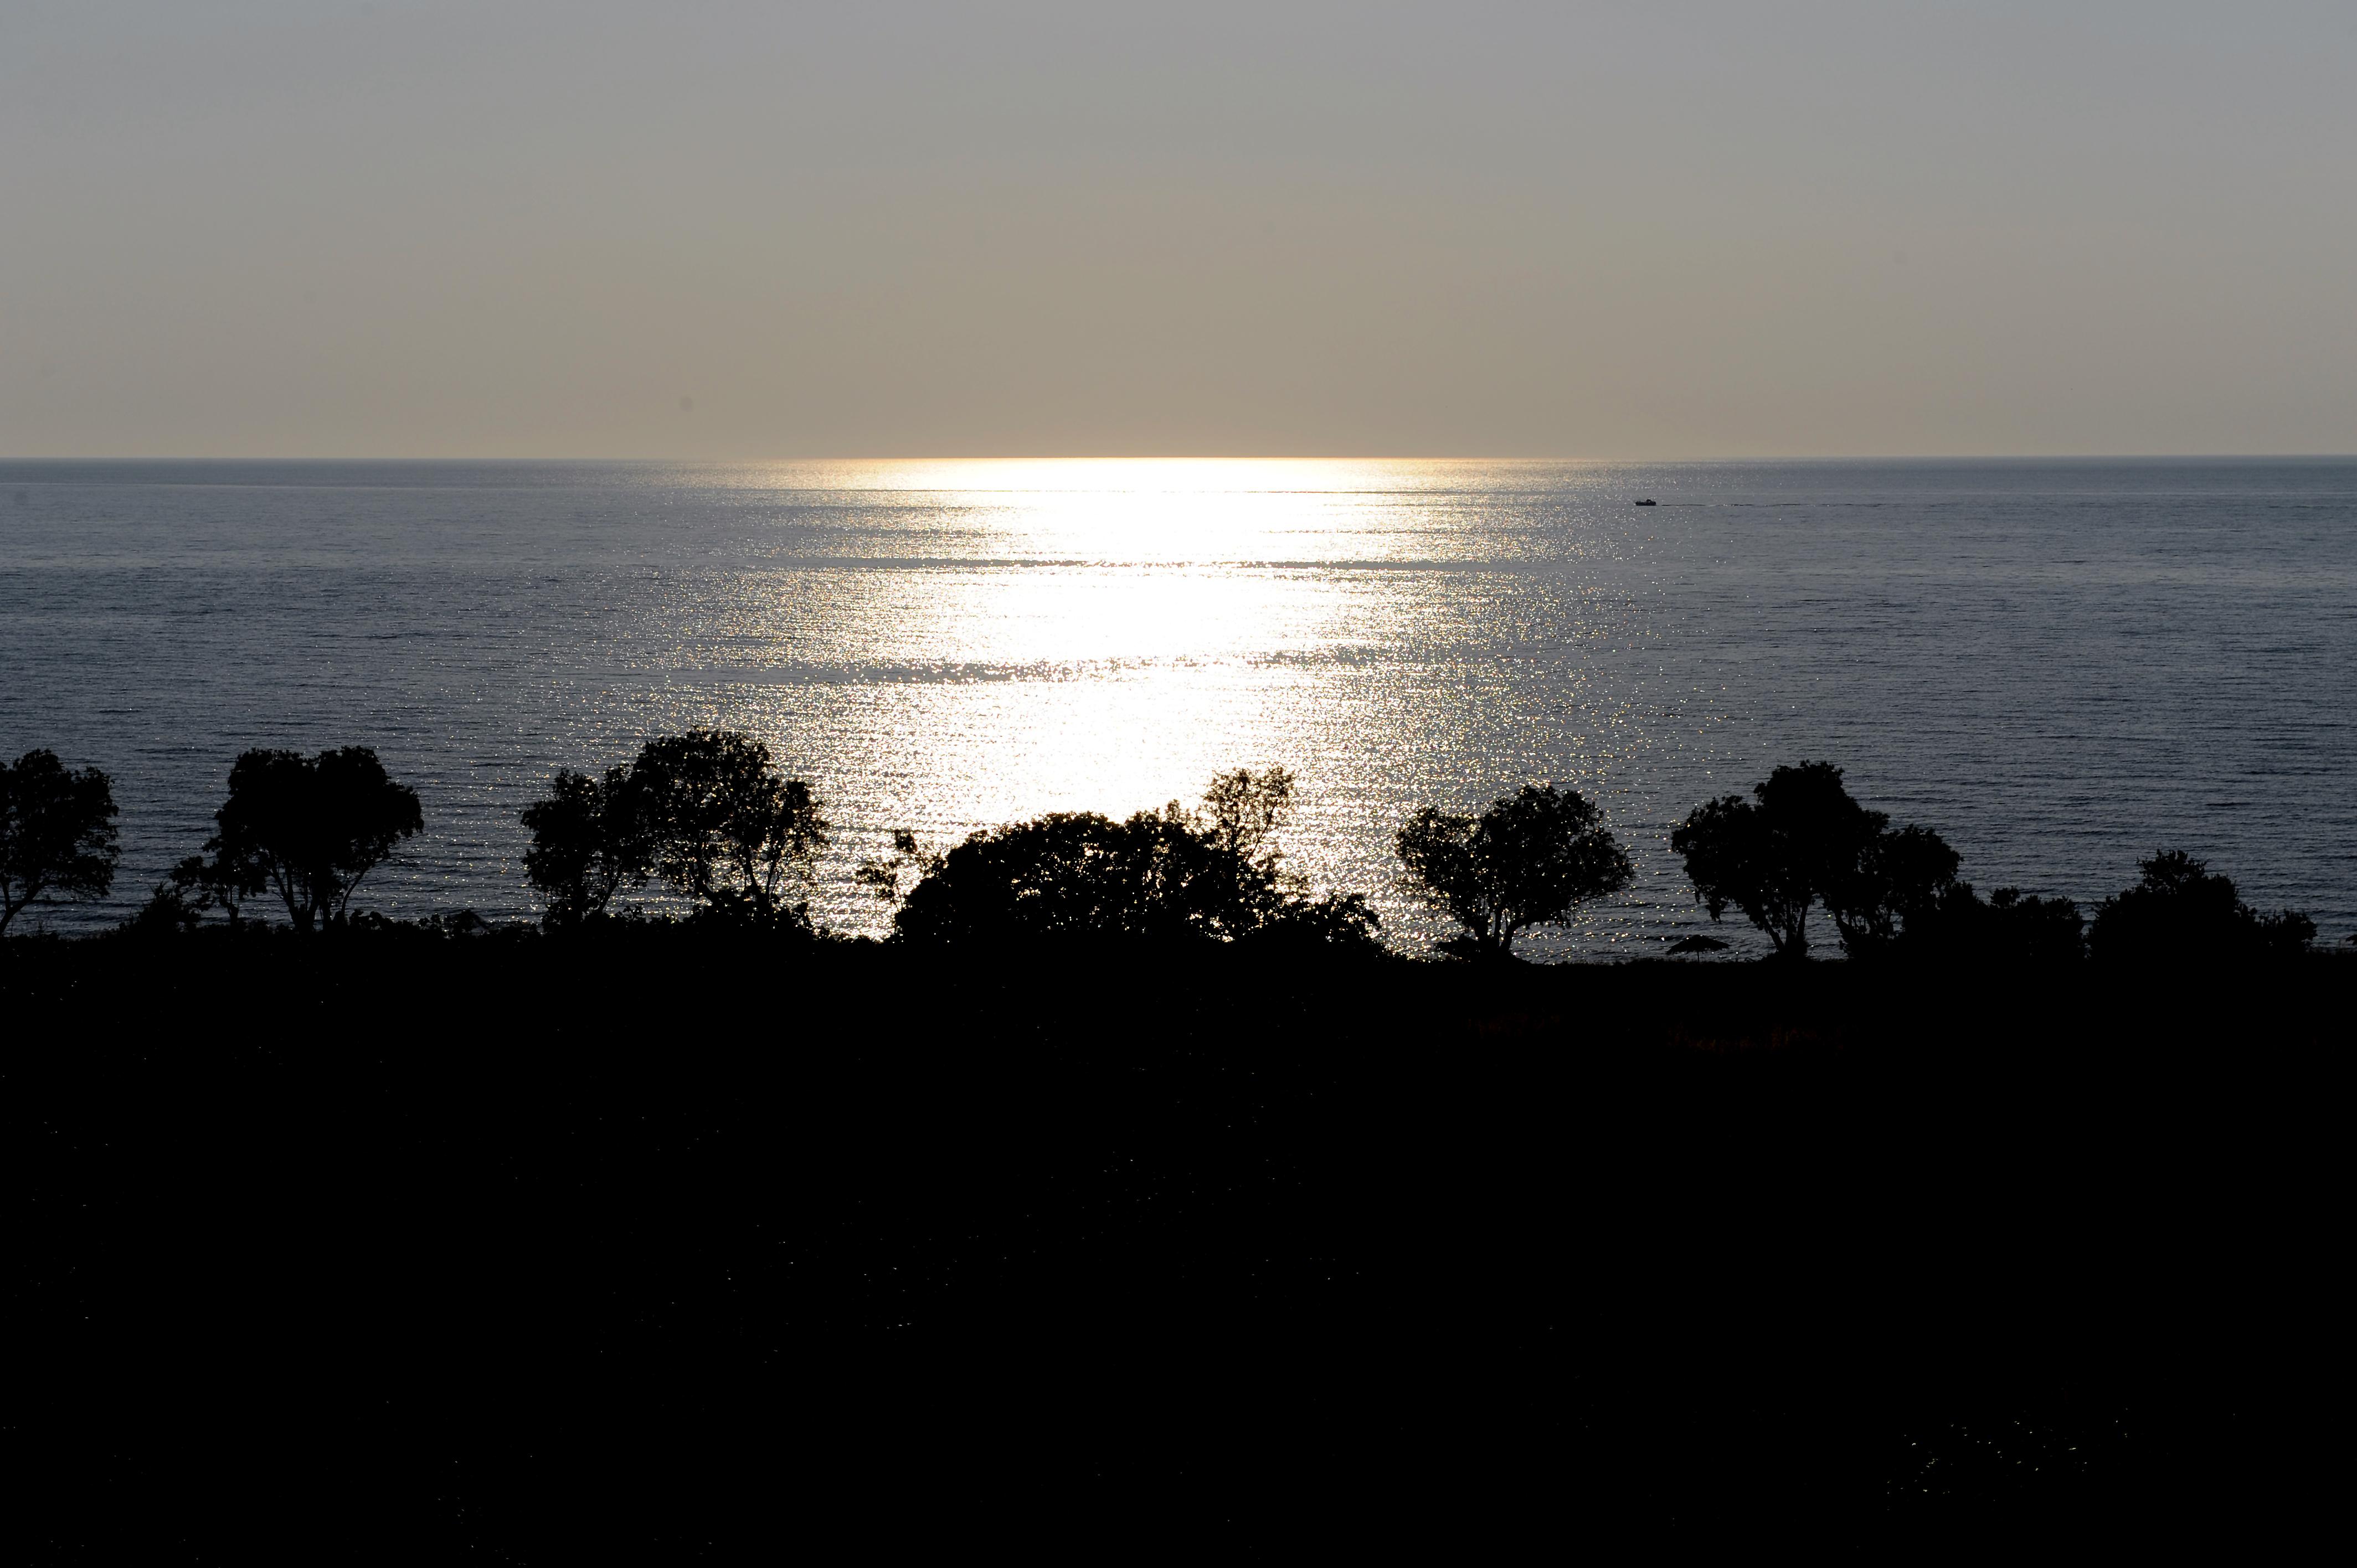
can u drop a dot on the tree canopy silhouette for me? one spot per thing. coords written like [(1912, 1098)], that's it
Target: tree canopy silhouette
[(588, 842), (306, 829), (2180, 911), (2011, 930), (1805, 841), (1898, 883), (1213, 874), (705, 811), (1529, 860), (57, 833)]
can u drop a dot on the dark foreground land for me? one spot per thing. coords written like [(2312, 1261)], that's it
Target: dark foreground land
[(659, 1244)]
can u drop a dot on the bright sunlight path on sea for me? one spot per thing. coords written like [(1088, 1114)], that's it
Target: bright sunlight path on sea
[(1095, 635), (1213, 510)]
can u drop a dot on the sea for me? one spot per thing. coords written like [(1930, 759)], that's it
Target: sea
[(2062, 666)]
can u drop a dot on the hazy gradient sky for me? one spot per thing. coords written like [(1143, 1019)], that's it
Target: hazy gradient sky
[(744, 230)]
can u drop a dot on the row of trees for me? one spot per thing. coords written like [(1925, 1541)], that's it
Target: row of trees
[(704, 813), (1801, 842), (709, 818), (303, 830)]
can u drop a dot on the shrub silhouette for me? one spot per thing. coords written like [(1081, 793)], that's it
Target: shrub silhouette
[(1211, 875), (1529, 860), (178, 903), (881, 874), (306, 829), (2009, 929), (2013, 929), (2179, 912), (1806, 841), (57, 833), (705, 811)]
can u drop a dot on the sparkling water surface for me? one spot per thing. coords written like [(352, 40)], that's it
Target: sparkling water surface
[(2062, 666)]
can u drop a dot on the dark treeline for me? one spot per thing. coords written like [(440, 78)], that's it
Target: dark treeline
[(707, 819), (1135, 1192)]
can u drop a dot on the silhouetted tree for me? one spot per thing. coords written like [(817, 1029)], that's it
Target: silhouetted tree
[(57, 833), (1529, 860), (1803, 841), (1242, 811), (723, 827), (306, 829), (1065, 874), (1243, 888), (1774, 859), (1215, 874), (1899, 883), (589, 839), (2181, 912)]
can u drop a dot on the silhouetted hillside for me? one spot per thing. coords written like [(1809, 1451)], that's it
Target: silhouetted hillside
[(657, 1238)]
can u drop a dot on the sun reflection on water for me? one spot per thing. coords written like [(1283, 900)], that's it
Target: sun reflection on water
[(1169, 510), (950, 645)]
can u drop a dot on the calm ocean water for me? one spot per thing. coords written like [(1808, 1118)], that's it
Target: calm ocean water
[(2061, 665)]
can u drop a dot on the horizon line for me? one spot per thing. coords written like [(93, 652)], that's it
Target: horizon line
[(1212, 457)]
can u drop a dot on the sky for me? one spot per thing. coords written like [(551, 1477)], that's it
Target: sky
[(1652, 231)]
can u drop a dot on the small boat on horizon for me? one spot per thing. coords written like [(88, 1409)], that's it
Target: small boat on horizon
[(1648, 501)]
